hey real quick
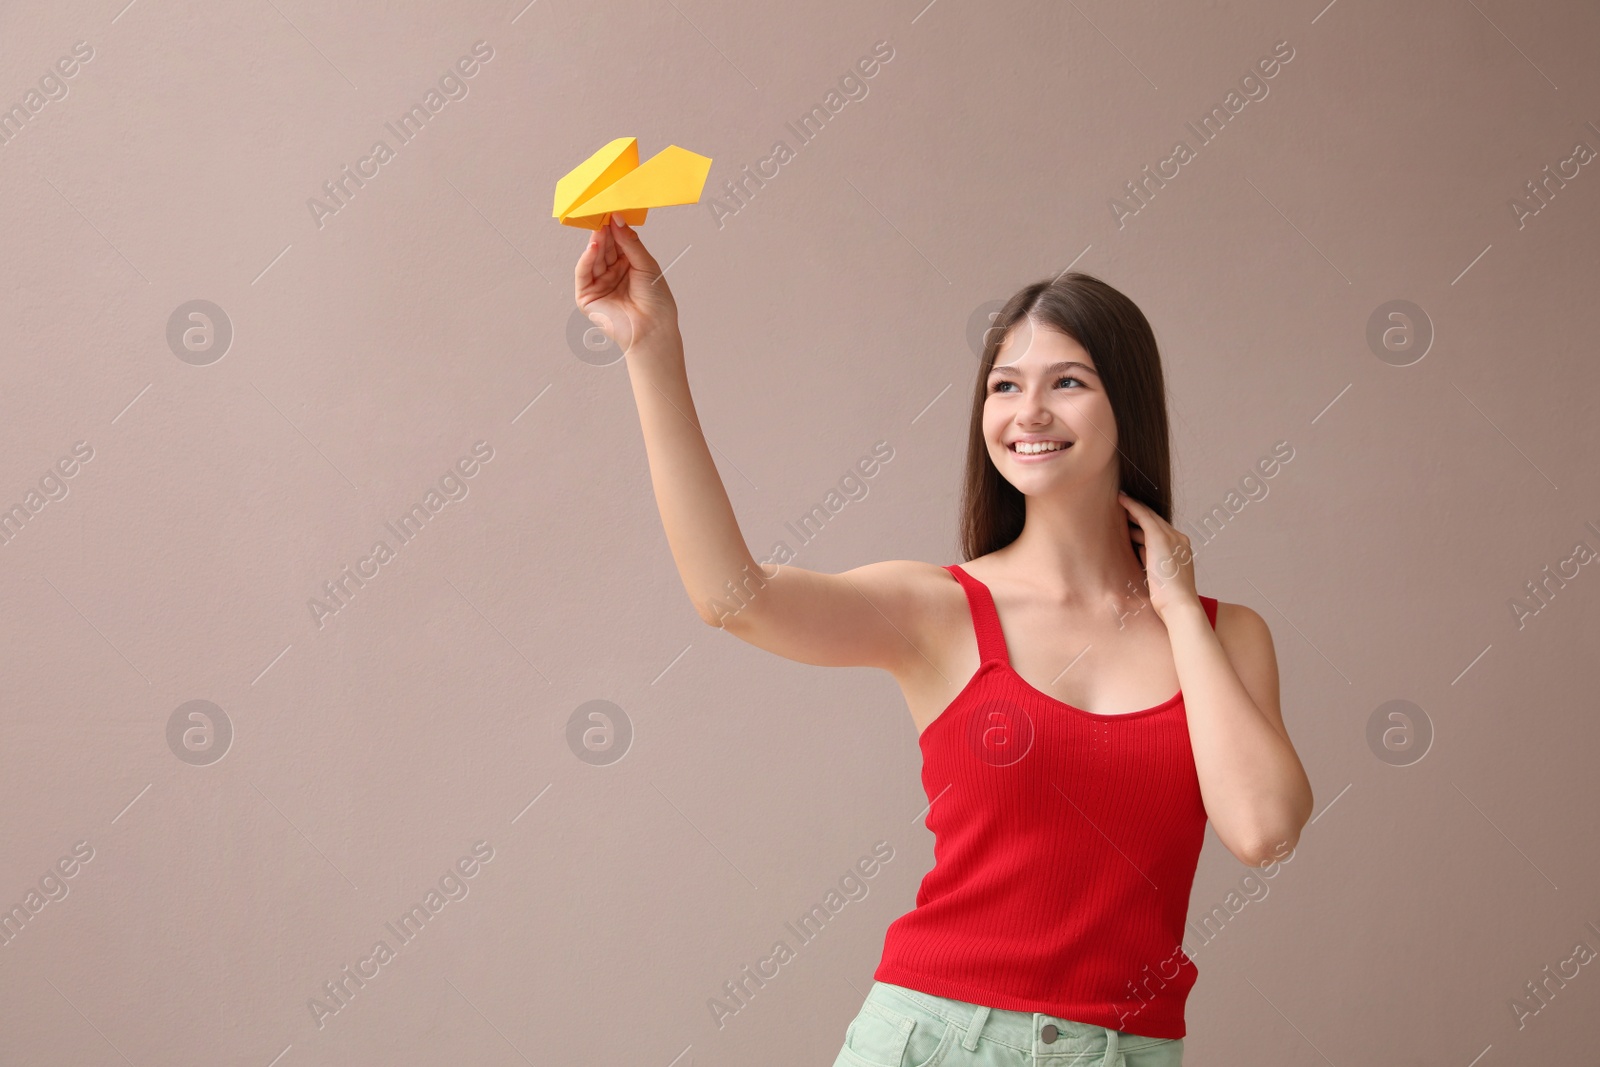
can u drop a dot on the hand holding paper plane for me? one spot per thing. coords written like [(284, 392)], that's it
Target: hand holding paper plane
[(613, 180)]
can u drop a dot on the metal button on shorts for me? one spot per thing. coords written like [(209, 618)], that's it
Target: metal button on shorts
[(1049, 1033)]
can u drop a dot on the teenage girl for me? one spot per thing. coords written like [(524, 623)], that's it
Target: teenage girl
[(1081, 709)]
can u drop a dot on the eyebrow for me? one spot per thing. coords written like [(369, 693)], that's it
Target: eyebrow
[(1052, 369)]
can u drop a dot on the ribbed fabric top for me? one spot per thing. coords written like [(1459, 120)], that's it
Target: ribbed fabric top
[(1065, 847)]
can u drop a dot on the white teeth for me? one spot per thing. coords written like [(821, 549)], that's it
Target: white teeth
[(1035, 448)]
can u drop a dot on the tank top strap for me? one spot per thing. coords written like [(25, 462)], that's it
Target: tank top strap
[(1210, 604), (985, 619)]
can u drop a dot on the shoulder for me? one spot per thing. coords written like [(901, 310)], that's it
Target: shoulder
[(880, 614), (1239, 626), (1239, 618), (1247, 640), (923, 602), (905, 590), (907, 577)]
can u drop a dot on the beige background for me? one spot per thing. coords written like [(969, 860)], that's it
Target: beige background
[(829, 312)]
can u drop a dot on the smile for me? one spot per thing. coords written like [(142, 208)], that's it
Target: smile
[(1038, 451)]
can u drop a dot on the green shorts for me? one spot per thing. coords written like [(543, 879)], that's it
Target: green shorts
[(900, 1027)]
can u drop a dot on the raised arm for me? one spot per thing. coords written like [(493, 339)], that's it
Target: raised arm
[(862, 617)]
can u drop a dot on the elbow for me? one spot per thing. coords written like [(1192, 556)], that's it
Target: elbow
[(712, 611), (1272, 837), (1263, 852), (1267, 844), (742, 617), (719, 616)]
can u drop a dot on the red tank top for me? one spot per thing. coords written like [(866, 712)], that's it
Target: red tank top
[(1065, 847)]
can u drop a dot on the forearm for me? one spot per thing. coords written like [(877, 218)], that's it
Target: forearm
[(1255, 790), (702, 531)]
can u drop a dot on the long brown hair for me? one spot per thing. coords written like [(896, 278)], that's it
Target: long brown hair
[(1113, 330)]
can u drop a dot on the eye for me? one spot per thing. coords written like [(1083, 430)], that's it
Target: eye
[(995, 388)]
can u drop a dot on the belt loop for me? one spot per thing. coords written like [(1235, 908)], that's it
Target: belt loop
[(975, 1027), (1112, 1058)]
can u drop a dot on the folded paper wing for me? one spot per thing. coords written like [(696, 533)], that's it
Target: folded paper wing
[(613, 180)]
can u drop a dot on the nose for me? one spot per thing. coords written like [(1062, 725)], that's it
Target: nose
[(1032, 411)]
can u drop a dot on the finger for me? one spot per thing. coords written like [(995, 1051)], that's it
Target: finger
[(603, 284), (595, 283), (595, 278), (602, 241), (601, 263), (628, 238), (592, 281), (613, 250), (585, 268)]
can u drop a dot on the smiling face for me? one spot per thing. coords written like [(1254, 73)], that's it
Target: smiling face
[(1046, 416)]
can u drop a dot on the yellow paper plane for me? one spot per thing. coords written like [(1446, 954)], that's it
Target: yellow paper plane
[(613, 180)]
